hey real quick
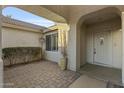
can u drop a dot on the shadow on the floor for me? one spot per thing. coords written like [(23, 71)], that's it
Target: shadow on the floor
[(102, 73)]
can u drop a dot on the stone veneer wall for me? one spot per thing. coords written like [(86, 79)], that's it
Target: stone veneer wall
[(18, 55)]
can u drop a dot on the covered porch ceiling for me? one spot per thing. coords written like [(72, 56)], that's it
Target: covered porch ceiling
[(40, 11), (62, 13), (102, 15)]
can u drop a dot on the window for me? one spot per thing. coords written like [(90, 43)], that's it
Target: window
[(52, 42), (48, 42)]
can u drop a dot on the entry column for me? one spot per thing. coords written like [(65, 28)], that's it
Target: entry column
[(1, 61), (122, 19)]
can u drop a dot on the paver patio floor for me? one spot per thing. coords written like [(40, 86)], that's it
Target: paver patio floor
[(38, 74)]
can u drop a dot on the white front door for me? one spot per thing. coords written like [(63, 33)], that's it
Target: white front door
[(102, 48)]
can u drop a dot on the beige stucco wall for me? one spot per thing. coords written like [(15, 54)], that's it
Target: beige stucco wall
[(71, 49), (53, 56), (83, 45), (20, 38), (114, 27), (1, 61)]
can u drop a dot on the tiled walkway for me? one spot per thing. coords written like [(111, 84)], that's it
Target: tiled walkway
[(38, 74)]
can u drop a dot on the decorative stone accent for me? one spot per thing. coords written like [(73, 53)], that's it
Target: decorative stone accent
[(17, 55), (63, 63)]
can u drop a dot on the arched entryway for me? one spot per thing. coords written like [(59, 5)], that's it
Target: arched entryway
[(100, 44)]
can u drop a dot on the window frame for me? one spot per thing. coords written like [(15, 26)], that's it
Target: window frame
[(53, 40)]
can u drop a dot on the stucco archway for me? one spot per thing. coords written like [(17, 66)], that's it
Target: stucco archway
[(107, 19)]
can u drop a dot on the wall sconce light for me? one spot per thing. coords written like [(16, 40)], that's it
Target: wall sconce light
[(120, 30), (42, 39)]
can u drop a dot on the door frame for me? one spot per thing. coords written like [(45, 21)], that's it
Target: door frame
[(111, 50)]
